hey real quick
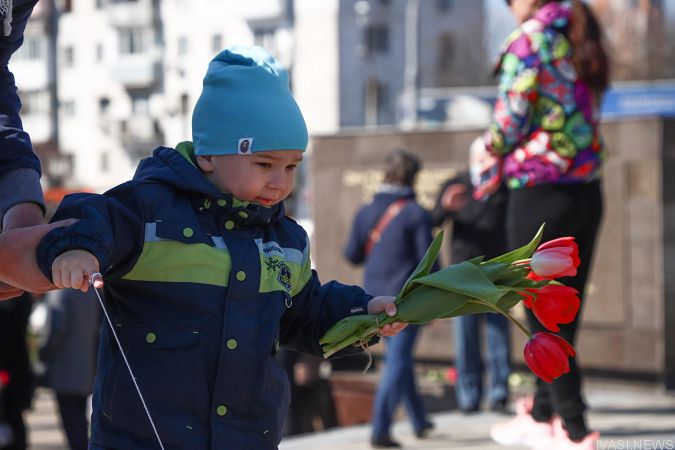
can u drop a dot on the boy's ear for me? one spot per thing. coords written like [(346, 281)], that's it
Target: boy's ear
[(205, 163)]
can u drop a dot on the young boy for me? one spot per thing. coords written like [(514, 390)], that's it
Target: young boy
[(204, 275)]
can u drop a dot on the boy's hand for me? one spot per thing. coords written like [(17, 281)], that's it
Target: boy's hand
[(72, 269), (386, 304)]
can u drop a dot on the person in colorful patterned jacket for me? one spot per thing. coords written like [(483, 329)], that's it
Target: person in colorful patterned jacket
[(204, 275), (553, 71)]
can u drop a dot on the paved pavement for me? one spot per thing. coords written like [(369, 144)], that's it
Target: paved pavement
[(629, 416)]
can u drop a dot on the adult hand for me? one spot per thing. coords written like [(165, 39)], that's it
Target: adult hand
[(22, 215), (18, 266), (454, 197), (386, 304)]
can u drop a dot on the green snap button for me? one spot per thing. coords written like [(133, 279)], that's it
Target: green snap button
[(207, 203), (150, 338), (241, 275), (229, 224), (243, 214), (187, 232), (231, 344), (221, 410), (222, 202)]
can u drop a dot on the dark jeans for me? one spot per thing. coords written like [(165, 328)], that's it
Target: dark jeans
[(567, 210), (398, 384), (470, 366), (73, 410)]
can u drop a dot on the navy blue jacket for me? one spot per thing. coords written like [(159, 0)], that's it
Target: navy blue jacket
[(203, 288), (401, 247)]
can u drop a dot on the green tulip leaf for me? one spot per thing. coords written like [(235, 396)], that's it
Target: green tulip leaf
[(427, 303), (424, 267), (522, 252), (463, 278)]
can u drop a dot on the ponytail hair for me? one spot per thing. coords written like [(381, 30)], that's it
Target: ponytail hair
[(589, 57), (588, 54)]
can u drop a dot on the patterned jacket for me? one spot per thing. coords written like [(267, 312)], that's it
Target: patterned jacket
[(203, 289), (545, 120)]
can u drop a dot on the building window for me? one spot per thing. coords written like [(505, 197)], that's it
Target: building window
[(68, 107), (99, 52), (264, 37), (445, 5), (446, 52), (131, 41), (32, 48), (377, 39), (69, 56), (216, 43), (140, 101), (67, 6), (183, 45), (184, 104), (100, 4), (377, 102), (103, 105), (105, 162), (34, 45), (34, 102)]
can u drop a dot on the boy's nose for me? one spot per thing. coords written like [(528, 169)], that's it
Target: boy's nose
[(278, 181)]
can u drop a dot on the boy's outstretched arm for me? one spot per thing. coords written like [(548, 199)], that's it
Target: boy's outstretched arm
[(386, 304)]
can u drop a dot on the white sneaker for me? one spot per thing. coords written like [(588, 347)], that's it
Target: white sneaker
[(561, 440), (523, 431)]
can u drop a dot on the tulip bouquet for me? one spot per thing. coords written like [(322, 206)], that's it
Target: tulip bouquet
[(526, 274)]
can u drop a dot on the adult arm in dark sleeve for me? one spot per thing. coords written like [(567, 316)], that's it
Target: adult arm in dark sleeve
[(19, 165)]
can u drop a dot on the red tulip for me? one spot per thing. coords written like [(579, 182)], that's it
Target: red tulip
[(546, 355), (556, 258), (553, 304), (4, 378)]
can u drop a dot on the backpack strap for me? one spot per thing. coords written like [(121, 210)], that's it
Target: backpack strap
[(375, 233)]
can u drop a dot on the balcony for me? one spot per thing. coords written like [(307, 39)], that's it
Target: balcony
[(137, 70)]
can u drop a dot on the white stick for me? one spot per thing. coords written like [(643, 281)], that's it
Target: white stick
[(98, 277)]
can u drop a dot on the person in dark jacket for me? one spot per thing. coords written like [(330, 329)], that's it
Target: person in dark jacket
[(69, 356), (17, 395), (204, 274), (478, 228), (391, 235)]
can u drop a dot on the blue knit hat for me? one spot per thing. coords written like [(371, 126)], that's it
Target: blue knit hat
[(246, 106)]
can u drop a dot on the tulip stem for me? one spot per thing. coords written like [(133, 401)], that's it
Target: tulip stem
[(505, 314)]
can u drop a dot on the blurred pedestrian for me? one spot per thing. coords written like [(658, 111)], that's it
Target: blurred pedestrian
[(391, 235), (553, 71), (312, 405), (478, 228), (17, 395), (69, 357)]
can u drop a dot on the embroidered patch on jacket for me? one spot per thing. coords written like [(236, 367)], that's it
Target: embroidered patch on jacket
[(245, 146), (284, 277)]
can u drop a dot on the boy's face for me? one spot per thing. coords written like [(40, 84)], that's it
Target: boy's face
[(266, 178)]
